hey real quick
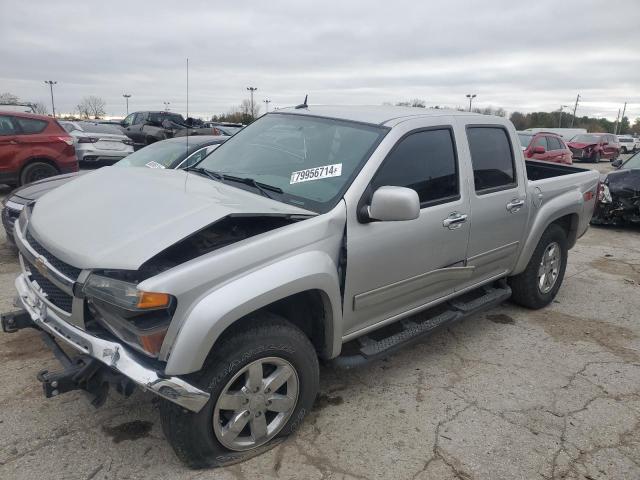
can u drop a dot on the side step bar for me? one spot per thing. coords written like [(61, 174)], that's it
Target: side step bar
[(414, 330)]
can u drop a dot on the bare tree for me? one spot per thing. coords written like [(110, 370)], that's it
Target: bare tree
[(40, 108), (8, 98), (91, 107), (416, 102)]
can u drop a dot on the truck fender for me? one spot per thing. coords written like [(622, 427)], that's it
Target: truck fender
[(221, 307), (565, 204)]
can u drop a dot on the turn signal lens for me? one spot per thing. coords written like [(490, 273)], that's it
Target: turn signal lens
[(153, 300), (153, 342)]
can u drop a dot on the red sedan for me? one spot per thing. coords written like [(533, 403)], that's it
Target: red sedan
[(545, 146), (33, 147)]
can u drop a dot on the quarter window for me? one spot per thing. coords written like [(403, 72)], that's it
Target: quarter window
[(425, 162), (492, 158), (30, 125), (541, 141)]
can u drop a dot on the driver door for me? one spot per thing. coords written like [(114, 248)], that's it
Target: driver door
[(394, 267)]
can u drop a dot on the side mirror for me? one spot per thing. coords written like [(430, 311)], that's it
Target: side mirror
[(539, 149), (394, 204), (617, 163)]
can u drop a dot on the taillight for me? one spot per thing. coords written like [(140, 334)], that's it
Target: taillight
[(67, 140), (88, 139), (215, 131), (127, 141)]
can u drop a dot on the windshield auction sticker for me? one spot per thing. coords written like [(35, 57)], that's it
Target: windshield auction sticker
[(316, 173), (153, 164)]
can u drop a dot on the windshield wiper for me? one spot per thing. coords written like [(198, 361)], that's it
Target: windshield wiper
[(209, 173), (261, 187)]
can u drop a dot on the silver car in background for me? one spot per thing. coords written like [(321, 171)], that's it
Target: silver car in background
[(97, 142)]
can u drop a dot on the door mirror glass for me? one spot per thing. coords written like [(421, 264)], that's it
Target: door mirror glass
[(393, 204), (539, 149)]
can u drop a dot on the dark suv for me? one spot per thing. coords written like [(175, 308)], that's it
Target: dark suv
[(33, 147), (144, 128)]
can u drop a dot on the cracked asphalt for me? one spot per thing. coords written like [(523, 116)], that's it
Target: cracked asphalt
[(508, 394)]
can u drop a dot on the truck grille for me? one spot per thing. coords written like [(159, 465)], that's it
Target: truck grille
[(64, 268), (56, 296)]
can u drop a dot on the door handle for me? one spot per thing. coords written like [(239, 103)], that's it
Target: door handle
[(454, 220), (514, 205)]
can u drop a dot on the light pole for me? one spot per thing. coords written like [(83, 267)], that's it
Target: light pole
[(575, 107), (267, 102), (560, 119), (127, 96), (51, 83), (470, 97), (166, 106), (252, 89)]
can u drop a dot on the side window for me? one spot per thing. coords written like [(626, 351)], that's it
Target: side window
[(492, 158), (424, 161), (30, 125), (541, 141), (129, 120), (6, 126), (554, 143), (140, 118)]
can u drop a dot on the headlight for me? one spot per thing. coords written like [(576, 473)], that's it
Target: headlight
[(604, 195), (124, 294)]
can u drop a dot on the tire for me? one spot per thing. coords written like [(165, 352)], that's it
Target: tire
[(596, 158), (193, 436), (623, 150), (37, 171), (526, 288)]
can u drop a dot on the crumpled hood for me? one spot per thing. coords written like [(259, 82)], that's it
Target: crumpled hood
[(581, 144), (118, 218), (624, 183)]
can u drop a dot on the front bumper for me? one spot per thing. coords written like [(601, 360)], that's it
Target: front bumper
[(112, 354)]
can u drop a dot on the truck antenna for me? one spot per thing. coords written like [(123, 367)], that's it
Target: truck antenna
[(186, 174), (303, 104)]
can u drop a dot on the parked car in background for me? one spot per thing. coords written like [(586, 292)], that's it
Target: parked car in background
[(628, 144), (98, 143), (169, 154), (594, 147), (33, 147), (618, 200), (545, 146), (566, 133), (211, 128), (219, 290), (145, 128)]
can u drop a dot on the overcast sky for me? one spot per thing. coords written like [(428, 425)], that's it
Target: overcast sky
[(526, 56)]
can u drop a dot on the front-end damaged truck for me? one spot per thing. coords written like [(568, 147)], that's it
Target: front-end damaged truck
[(331, 233)]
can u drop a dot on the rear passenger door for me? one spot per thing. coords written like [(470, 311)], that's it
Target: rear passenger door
[(9, 148), (499, 204)]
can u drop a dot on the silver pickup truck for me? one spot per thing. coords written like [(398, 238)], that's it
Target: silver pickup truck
[(333, 233)]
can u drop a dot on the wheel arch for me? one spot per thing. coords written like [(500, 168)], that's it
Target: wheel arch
[(37, 159)]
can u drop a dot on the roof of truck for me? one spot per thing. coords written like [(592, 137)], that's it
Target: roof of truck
[(374, 114)]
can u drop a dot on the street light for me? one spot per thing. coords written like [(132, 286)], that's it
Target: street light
[(470, 97), (127, 96), (267, 102), (560, 119), (166, 106), (252, 89), (51, 83)]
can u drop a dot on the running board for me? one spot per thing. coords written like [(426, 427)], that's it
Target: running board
[(414, 329)]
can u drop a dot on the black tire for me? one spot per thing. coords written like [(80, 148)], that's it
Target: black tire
[(623, 150), (192, 434), (596, 157), (525, 289), (37, 171)]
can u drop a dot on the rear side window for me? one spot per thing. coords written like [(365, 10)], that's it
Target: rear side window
[(425, 162), (554, 143), (30, 125), (492, 159), (6, 126), (541, 141)]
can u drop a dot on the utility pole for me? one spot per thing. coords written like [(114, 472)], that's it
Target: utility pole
[(573, 119), (252, 89), (470, 97), (267, 102), (127, 96), (560, 119), (166, 106), (51, 83), (615, 127), (624, 109)]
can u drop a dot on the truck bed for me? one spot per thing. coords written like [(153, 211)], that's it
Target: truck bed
[(537, 170)]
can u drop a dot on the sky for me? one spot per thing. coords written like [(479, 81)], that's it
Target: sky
[(521, 56)]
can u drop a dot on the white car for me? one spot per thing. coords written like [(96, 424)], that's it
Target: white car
[(628, 143), (97, 142)]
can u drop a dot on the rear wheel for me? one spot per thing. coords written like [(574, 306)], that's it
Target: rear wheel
[(37, 171), (623, 150), (538, 285), (262, 380)]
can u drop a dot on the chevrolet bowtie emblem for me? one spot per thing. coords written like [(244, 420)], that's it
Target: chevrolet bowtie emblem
[(41, 266)]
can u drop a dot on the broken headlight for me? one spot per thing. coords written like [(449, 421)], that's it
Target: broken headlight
[(604, 195)]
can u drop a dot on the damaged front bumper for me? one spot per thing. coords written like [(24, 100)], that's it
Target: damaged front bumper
[(112, 354)]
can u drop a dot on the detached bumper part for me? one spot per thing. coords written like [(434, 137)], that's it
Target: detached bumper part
[(111, 354)]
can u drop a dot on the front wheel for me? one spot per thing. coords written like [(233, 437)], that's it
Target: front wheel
[(262, 380), (539, 283)]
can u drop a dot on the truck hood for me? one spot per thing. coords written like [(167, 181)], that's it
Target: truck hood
[(35, 190), (117, 218), (624, 183)]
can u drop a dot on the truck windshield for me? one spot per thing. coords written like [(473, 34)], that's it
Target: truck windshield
[(311, 160)]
